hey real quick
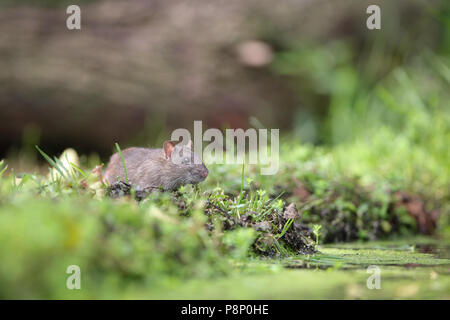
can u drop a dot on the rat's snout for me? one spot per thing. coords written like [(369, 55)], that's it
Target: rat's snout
[(199, 173), (204, 172)]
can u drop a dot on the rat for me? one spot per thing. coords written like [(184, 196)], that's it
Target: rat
[(147, 169)]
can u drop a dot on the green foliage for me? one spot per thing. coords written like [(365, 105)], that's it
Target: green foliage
[(115, 244), (389, 128), (240, 240), (3, 168), (316, 230)]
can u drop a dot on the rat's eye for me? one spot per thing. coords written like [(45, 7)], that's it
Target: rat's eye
[(186, 160)]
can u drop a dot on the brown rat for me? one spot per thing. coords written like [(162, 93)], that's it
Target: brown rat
[(148, 169)]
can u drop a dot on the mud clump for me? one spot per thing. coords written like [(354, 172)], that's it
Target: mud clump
[(273, 237), (298, 237), (278, 233), (121, 189)]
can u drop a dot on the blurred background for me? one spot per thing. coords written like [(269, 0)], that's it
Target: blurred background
[(138, 69)]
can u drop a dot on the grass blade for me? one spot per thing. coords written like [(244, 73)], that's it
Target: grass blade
[(49, 160), (73, 165), (4, 169)]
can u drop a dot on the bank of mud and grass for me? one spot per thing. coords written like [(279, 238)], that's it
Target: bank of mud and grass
[(238, 230)]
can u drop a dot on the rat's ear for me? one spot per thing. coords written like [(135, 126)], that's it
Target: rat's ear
[(168, 147), (189, 144)]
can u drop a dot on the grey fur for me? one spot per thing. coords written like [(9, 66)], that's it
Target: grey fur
[(149, 169)]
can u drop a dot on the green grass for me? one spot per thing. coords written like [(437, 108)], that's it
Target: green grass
[(235, 238), (396, 283)]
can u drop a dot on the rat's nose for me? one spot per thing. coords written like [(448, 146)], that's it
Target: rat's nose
[(204, 172)]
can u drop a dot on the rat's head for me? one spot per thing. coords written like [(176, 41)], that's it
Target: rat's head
[(185, 162)]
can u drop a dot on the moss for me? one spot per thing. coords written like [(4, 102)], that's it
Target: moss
[(381, 257), (322, 278), (309, 284)]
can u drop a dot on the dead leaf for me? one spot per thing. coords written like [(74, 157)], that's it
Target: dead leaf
[(291, 212)]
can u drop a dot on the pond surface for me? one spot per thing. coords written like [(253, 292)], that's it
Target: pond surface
[(417, 268)]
